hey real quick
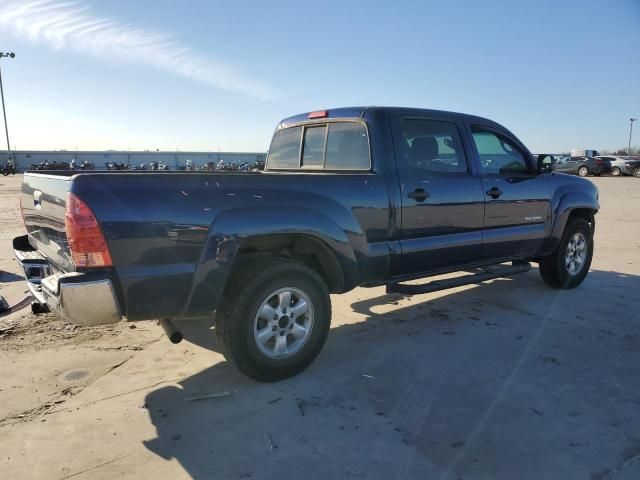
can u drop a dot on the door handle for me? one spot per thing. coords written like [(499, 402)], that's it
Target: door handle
[(494, 193), (419, 194)]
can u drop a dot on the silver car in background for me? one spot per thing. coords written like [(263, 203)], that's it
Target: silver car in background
[(618, 163)]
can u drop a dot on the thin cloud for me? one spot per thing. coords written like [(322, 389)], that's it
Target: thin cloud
[(71, 25)]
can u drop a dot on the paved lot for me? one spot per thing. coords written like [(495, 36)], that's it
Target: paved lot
[(505, 380)]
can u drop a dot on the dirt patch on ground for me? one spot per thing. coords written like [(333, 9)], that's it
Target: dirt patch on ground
[(35, 332)]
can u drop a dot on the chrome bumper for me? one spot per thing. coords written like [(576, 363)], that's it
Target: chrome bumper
[(75, 296)]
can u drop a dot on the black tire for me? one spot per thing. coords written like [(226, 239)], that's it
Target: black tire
[(636, 172), (583, 172), (553, 269), (5, 173), (245, 295), (615, 171)]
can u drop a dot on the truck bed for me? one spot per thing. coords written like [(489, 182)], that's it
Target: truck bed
[(165, 230)]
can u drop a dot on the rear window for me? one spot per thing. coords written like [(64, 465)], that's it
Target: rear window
[(285, 148), (313, 147), (347, 147), (332, 146)]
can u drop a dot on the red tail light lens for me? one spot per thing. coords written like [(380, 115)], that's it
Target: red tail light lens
[(86, 241), (600, 162)]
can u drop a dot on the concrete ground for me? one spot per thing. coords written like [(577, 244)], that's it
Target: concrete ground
[(504, 380)]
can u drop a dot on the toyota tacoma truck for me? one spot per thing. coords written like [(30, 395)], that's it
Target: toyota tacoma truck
[(367, 196)]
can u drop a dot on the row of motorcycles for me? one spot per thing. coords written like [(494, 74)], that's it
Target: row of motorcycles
[(10, 169), (190, 166), (142, 166), (221, 166), (72, 165)]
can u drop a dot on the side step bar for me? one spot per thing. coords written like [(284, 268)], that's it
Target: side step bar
[(489, 273)]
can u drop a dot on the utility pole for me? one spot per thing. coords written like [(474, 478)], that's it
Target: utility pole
[(4, 110), (631, 120)]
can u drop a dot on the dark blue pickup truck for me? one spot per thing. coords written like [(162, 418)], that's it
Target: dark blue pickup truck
[(349, 197)]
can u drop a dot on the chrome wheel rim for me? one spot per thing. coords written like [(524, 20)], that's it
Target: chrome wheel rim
[(283, 323), (615, 171), (582, 171), (636, 172), (576, 254)]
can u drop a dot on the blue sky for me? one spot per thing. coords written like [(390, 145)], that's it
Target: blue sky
[(209, 75)]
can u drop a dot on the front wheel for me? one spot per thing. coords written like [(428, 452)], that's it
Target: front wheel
[(583, 171), (636, 172), (568, 266), (274, 319), (615, 171)]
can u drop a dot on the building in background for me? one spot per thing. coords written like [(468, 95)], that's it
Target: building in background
[(24, 158)]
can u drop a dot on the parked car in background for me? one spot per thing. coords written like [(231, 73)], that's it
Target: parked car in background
[(618, 163), (632, 167), (583, 166)]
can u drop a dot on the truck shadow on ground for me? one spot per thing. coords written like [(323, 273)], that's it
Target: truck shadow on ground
[(409, 391), (8, 277)]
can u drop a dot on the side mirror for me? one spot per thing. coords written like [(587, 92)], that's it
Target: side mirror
[(545, 164)]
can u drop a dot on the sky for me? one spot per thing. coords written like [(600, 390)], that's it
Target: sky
[(220, 74)]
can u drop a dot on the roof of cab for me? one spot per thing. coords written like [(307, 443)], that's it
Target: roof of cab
[(355, 112)]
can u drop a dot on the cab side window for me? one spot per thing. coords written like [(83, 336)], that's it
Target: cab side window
[(433, 145), (498, 154)]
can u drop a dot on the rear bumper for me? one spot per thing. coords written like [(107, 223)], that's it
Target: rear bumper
[(82, 298)]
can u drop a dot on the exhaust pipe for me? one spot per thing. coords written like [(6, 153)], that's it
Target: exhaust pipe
[(175, 336)]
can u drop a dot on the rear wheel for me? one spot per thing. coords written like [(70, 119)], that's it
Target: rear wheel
[(568, 266), (636, 172), (583, 171), (274, 319), (615, 171)]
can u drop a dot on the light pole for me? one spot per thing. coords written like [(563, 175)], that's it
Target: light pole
[(4, 111), (631, 120)]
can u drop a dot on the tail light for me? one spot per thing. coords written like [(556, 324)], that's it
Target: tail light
[(600, 161), (86, 241)]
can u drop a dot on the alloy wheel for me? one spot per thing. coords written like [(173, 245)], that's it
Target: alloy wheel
[(283, 323), (576, 254)]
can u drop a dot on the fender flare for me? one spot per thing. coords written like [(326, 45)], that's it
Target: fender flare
[(232, 227), (568, 203)]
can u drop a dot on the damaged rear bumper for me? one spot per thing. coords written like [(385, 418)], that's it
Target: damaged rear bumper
[(81, 298)]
